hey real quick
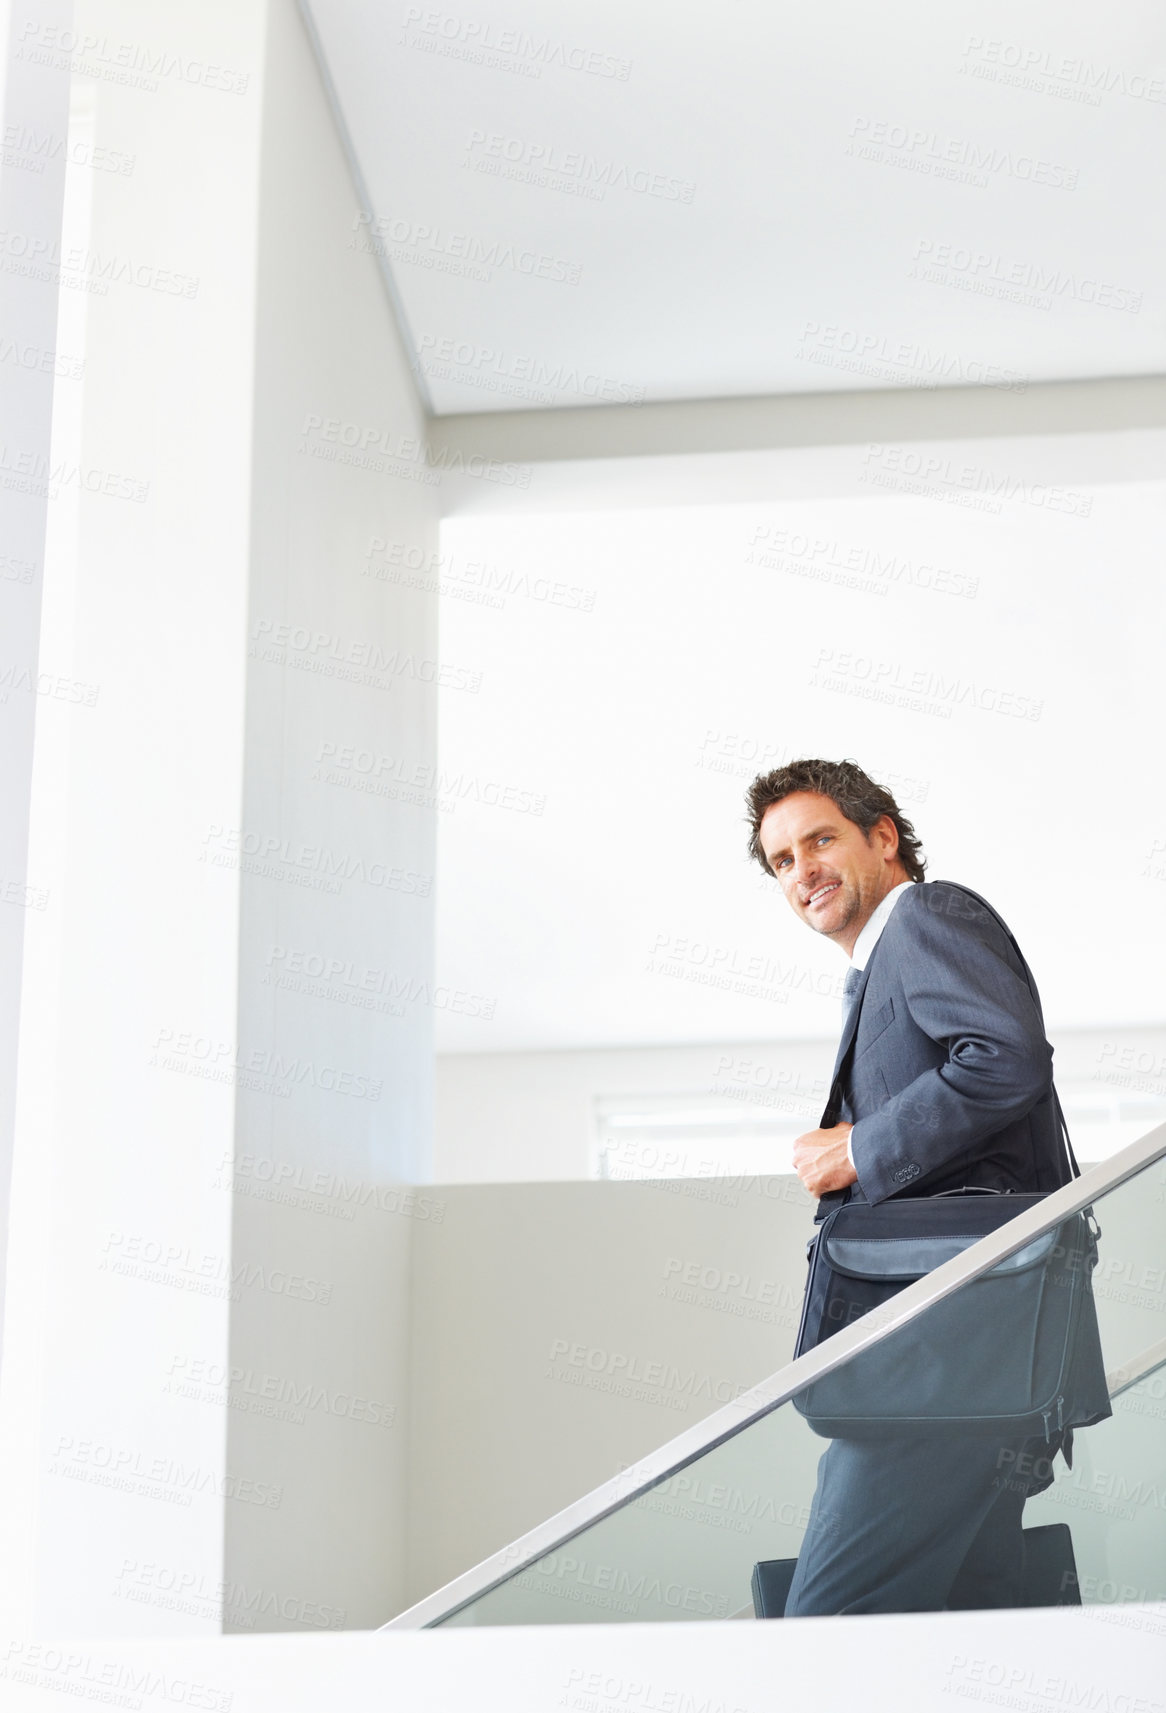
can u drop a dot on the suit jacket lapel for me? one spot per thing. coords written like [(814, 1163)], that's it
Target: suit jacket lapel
[(851, 1024), (848, 1033)]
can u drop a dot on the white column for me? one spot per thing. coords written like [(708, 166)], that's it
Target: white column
[(216, 306), (34, 117), (337, 838)]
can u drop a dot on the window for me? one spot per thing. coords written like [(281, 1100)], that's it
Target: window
[(702, 1135)]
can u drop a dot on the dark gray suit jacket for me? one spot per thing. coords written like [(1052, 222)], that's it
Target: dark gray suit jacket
[(950, 1078)]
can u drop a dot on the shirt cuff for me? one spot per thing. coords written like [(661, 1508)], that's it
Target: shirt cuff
[(850, 1153)]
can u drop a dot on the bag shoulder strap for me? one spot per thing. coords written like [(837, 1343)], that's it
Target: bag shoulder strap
[(1075, 1170)]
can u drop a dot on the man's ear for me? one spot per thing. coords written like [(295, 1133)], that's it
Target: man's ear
[(887, 834)]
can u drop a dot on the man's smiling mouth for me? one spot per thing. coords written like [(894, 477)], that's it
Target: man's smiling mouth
[(823, 892)]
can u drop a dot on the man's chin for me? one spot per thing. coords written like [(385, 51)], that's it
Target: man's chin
[(833, 920), (828, 930)]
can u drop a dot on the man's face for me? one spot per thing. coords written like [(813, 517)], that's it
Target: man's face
[(832, 874)]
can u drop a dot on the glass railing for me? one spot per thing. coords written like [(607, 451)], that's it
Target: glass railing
[(677, 1536)]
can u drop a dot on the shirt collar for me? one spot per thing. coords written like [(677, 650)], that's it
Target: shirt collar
[(869, 937)]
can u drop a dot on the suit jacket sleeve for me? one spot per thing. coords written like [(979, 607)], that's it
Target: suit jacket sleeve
[(963, 990)]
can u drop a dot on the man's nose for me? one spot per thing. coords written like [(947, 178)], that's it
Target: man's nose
[(805, 867)]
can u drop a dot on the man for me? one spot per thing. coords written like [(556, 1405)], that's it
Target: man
[(949, 1084)]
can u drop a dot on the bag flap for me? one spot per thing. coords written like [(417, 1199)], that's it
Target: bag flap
[(908, 1258)]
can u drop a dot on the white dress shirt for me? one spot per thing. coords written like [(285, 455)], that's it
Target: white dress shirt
[(868, 939)]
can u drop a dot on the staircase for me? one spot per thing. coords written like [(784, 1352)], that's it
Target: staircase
[(677, 1536)]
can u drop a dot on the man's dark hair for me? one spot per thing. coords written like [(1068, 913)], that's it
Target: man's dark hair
[(853, 793)]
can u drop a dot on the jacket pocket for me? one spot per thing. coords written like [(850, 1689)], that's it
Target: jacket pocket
[(879, 1023)]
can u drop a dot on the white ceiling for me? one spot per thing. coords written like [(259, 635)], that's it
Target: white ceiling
[(1022, 151), (614, 914), (609, 913)]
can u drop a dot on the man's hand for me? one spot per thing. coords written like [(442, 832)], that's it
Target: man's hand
[(820, 1160)]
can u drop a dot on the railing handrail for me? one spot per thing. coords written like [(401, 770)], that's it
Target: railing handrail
[(1137, 1369), (758, 1401)]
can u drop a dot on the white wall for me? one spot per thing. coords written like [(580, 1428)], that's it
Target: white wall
[(338, 660), (505, 1117), (502, 1117), (560, 1331), (851, 605)]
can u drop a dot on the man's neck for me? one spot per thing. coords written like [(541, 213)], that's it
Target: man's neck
[(853, 931), (871, 932)]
